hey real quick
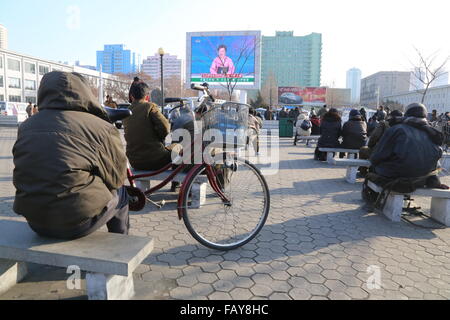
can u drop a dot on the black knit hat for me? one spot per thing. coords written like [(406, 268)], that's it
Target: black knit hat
[(416, 110)]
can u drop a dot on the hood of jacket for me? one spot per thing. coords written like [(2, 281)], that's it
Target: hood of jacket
[(422, 124), (302, 117), (68, 92), (332, 117)]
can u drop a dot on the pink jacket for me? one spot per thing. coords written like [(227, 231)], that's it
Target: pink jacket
[(218, 63)]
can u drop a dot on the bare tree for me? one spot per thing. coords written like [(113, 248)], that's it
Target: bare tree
[(269, 91), (427, 70)]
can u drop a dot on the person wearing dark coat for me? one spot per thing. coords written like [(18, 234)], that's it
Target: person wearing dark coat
[(315, 121), (70, 163), (283, 114), (363, 114), (354, 132), (372, 125), (268, 115), (409, 150), (331, 131)]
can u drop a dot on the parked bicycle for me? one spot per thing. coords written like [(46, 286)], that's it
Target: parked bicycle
[(224, 203)]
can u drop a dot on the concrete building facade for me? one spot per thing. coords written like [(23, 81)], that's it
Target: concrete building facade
[(437, 98), (172, 66), (20, 76), (375, 88), (354, 84), (3, 37), (291, 61)]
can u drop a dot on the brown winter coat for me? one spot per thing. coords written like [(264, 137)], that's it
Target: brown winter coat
[(145, 133), (68, 158)]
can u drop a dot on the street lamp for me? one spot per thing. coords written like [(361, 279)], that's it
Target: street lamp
[(161, 54)]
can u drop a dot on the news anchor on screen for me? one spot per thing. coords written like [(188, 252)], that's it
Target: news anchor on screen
[(222, 64)]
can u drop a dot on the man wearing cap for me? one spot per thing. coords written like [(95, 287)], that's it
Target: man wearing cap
[(409, 150)]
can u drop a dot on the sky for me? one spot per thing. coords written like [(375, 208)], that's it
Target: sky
[(370, 35)]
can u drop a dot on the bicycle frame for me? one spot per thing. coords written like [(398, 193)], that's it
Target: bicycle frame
[(211, 175)]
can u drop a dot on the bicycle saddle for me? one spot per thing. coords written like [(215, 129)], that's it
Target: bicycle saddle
[(117, 114)]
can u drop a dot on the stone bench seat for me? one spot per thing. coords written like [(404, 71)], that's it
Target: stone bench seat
[(352, 167), (109, 260), (332, 151), (440, 203)]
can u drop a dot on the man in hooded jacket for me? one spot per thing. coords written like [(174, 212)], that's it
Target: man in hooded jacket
[(409, 150), (70, 163)]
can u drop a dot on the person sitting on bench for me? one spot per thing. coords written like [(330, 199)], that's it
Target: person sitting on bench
[(331, 131), (146, 131), (410, 150), (70, 163), (354, 132)]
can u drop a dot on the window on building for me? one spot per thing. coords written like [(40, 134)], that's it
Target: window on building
[(15, 99), (14, 83), (30, 99), (13, 65), (43, 70), (1, 63), (30, 68), (1, 82), (30, 85)]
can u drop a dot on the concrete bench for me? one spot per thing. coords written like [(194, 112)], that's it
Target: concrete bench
[(352, 167), (331, 151), (440, 203), (307, 139), (198, 189), (109, 259)]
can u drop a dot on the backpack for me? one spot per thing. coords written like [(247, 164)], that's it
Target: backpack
[(306, 125)]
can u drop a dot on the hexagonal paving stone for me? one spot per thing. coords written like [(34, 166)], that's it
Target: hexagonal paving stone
[(208, 278), (219, 296), (300, 294), (202, 289), (280, 296), (226, 275), (181, 293), (243, 282), (187, 281), (261, 290), (224, 286), (241, 294)]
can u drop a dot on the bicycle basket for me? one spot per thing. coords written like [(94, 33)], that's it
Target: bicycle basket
[(226, 125)]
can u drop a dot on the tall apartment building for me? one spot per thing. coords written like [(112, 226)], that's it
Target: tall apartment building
[(375, 88), (117, 58), (172, 66), (354, 84), (291, 61), (20, 76), (3, 37)]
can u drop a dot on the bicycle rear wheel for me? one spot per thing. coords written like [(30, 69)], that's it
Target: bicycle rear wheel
[(229, 225)]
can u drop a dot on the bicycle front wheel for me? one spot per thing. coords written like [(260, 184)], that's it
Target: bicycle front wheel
[(226, 225)]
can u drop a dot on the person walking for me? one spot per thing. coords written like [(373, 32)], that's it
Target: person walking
[(29, 110)]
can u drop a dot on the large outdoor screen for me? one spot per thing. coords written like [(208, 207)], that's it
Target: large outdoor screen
[(302, 95), (224, 58)]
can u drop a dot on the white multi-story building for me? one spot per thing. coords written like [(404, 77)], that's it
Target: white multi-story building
[(441, 80), (3, 37), (375, 88), (437, 98), (172, 66), (20, 76), (354, 84)]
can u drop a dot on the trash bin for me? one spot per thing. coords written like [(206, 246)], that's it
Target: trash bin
[(286, 127)]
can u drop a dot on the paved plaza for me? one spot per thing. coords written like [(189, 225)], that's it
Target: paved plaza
[(320, 242)]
